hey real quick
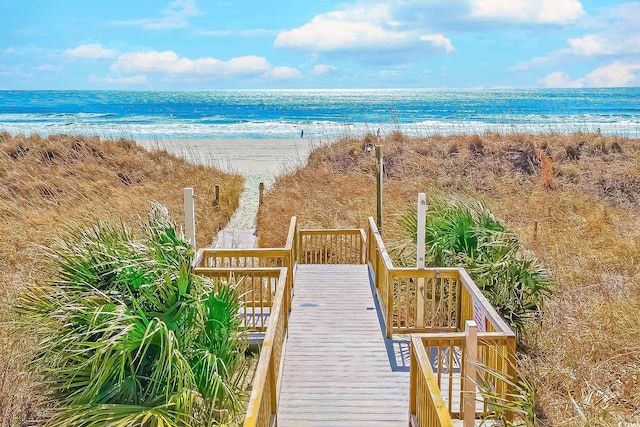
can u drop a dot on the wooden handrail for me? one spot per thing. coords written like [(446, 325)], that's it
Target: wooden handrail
[(454, 295), (426, 407), (496, 322), (262, 409), (495, 352), (331, 246)]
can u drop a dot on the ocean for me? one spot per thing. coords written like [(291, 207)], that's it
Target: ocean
[(323, 115)]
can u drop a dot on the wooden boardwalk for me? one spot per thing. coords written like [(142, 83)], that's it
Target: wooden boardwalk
[(339, 369)]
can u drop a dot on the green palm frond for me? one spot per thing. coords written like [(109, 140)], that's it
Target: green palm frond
[(130, 336), (462, 232)]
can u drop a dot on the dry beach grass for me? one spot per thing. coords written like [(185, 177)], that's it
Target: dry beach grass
[(582, 190), (46, 183)]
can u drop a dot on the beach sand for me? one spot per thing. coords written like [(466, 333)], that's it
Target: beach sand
[(258, 160)]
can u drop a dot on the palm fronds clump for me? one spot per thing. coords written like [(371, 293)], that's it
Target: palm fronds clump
[(462, 232), (130, 336)]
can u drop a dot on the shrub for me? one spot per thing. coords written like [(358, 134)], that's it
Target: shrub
[(129, 335), (462, 232)]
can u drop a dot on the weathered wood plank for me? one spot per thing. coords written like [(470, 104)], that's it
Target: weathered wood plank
[(339, 369)]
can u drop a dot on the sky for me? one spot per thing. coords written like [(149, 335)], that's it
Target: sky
[(208, 44)]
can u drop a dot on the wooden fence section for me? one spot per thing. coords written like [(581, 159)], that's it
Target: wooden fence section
[(427, 300), (437, 303), (251, 258), (447, 355), (257, 288), (426, 407), (331, 246), (263, 403)]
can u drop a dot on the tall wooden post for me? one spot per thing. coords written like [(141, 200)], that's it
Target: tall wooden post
[(216, 200), (189, 216), (260, 193), (380, 173), (470, 378), (420, 255)]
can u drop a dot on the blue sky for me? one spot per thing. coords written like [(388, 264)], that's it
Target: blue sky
[(205, 44)]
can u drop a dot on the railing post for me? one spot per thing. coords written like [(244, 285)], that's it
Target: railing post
[(390, 301), (420, 255), (470, 378), (260, 193), (413, 379), (380, 174), (189, 216), (273, 385)]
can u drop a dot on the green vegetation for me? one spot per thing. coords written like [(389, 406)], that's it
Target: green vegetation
[(518, 408), (461, 231), (47, 183), (130, 336)]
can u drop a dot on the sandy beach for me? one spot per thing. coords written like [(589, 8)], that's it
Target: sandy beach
[(243, 156), (258, 160)]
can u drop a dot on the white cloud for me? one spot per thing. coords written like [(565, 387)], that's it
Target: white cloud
[(323, 69), (90, 51), (617, 74), (171, 64), (362, 29), (168, 62), (557, 12), (283, 73), (590, 45), (605, 45), (173, 17), (9, 50), (559, 79), (121, 81), (440, 41), (620, 37)]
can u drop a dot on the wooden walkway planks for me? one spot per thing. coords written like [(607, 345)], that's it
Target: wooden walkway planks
[(339, 369)]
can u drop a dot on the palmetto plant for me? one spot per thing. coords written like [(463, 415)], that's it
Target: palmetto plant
[(516, 408), (130, 336), (461, 231)]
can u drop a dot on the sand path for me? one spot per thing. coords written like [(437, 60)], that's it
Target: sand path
[(258, 160)]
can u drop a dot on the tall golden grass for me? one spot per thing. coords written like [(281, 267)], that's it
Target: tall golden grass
[(582, 190), (46, 183)]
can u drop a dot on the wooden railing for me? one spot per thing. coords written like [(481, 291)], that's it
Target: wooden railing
[(437, 303), (426, 407), (447, 355), (263, 403), (331, 246), (257, 288), (252, 258), (427, 300)]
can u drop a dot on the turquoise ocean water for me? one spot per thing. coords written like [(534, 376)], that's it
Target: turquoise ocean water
[(321, 114)]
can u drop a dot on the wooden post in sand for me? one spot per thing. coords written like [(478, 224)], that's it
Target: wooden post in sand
[(380, 173), (189, 216), (260, 193), (420, 255), (216, 199)]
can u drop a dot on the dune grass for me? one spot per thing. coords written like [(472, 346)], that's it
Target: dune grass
[(583, 192), (46, 183)]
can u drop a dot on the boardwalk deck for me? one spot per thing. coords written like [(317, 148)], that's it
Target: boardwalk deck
[(339, 369)]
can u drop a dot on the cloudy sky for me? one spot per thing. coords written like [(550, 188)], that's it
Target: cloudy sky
[(207, 44)]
